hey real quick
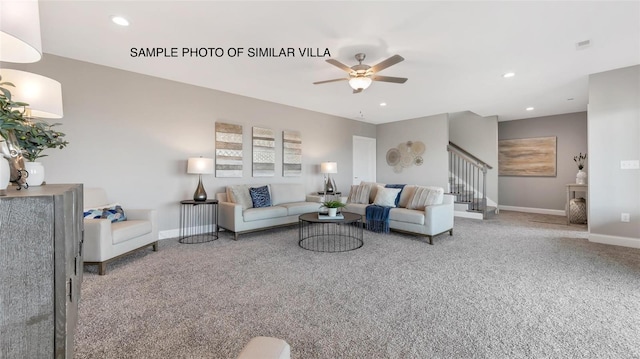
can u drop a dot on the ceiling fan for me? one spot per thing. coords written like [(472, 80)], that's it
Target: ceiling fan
[(361, 76)]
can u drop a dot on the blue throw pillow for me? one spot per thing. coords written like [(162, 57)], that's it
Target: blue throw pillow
[(260, 196), (112, 212), (401, 186)]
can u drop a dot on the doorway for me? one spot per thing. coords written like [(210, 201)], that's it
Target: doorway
[(364, 159)]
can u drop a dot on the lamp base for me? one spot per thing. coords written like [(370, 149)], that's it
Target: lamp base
[(200, 194), (330, 185)]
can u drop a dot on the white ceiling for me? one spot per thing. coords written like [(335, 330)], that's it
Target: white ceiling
[(455, 52)]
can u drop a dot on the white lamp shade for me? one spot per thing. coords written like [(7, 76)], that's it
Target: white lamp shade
[(328, 167), (359, 82), (43, 94), (200, 165), (20, 31)]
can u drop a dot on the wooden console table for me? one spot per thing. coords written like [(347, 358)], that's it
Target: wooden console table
[(572, 188)]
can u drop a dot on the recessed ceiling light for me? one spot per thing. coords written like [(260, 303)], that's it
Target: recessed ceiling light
[(508, 74), (529, 109), (383, 104), (119, 20), (570, 99)]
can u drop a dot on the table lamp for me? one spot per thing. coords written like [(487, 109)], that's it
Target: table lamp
[(328, 168), (200, 166)]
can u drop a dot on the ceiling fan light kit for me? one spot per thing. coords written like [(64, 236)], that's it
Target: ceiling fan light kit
[(361, 75)]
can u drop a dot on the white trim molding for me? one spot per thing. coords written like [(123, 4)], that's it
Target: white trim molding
[(554, 212), (465, 214), (614, 240)]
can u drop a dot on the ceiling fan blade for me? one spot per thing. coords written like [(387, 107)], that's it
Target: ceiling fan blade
[(397, 80), (386, 63), (339, 64), (334, 80), (357, 91)]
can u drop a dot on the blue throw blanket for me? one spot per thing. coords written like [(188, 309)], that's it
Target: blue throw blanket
[(378, 216)]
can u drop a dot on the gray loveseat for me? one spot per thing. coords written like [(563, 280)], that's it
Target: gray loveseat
[(288, 202)]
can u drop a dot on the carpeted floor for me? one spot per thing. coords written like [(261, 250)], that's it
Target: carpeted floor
[(515, 286)]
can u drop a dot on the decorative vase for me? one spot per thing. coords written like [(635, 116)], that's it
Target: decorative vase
[(36, 173), (333, 212), (5, 174), (581, 177)]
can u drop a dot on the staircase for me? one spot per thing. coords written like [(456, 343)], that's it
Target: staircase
[(467, 182)]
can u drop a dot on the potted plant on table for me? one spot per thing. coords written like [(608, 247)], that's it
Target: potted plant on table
[(333, 206), (581, 176), (33, 138), (11, 120)]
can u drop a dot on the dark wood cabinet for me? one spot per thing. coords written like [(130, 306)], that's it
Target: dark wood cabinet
[(41, 235)]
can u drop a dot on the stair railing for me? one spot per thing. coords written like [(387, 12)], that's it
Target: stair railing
[(467, 174)]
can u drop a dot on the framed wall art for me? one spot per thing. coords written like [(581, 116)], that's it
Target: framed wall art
[(291, 153), (228, 150), (264, 152), (527, 157)]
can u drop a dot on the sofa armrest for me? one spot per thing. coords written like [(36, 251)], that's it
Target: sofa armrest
[(229, 214), (438, 217), (140, 214), (97, 239), (145, 215), (315, 198)]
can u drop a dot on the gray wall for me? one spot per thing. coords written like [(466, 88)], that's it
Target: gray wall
[(614, 135), (132, 135), (479, 136), (433, 131), (545, 192)]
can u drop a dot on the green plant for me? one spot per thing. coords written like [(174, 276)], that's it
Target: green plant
[(579, 159), (10, 117), (35, 137), (333, 204)]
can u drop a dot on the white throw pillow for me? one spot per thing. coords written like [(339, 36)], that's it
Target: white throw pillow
[(426, 196), (386, 197), (239, 194), (359, 194)]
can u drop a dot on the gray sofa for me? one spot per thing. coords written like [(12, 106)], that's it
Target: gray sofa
[(288, 202), (431, 221)]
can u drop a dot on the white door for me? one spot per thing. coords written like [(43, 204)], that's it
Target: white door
[(364, 159)]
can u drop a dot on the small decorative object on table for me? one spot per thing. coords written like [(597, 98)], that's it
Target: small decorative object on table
[(332, 207), (581, 176)]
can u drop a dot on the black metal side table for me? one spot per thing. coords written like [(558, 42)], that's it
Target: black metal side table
[(198, 221)]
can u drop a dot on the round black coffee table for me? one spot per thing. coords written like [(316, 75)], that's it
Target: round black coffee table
[(321, 234)]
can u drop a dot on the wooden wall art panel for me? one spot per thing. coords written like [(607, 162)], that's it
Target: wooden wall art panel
[(291, 153), (527, 157), (228, 150), (264, 152)]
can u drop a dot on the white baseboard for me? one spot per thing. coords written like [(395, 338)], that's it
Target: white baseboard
[(169, 233), (615, 240), (555, 212), (465, 214)]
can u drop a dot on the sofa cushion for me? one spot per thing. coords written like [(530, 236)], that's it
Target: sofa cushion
[(239, 194), (287, 193), (406, 195), (127, 230), (260, 196), (301, 207), (373, 189), (426, 196), (386, 197), (359, 194), (358, 208), (256, 214), (406, 215)]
